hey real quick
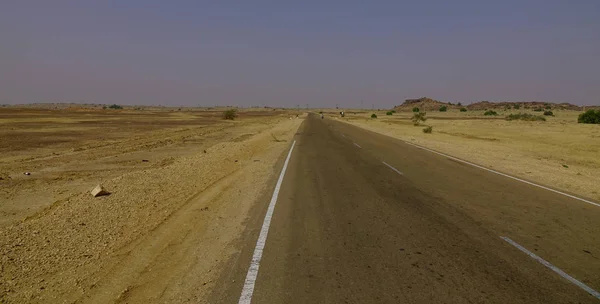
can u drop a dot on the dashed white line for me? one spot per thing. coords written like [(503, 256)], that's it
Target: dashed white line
[(357, 145), (553, 268), (505, 175), (392, 168), (248, 289)]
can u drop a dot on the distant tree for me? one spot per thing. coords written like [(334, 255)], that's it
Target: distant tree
[(589, 117), (463, 109), (373, 115), (389, 113), (116, 107), (517, 106), (230, 114), (418, 118), (415, 109), (459, 104), (443, 108)]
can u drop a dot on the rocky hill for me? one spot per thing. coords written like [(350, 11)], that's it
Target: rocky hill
[(428, 104)]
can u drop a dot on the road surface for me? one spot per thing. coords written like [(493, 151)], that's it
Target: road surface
[(364, 218)]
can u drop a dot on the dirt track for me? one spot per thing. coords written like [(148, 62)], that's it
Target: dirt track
[(167, 220)]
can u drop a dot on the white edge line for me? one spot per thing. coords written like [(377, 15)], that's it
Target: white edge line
[(392, 168), (553, 268), (357, 145), (505, 175), (248, 289)]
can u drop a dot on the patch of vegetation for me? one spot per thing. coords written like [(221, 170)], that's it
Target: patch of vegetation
[(389, 113), (443, 108), (589, 117), (548, 113), (490, 113), (393, 111), (537, 110), (517, 106), (428, 129), (459, 104), (116, 107), (415, 109), (373, 115), (463, 109), (525, 116), (230, 114), (547, 107), (418, 118)]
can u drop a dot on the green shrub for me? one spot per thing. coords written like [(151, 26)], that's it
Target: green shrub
[(459, 104), (547, 107), (463, 109), (419, 117), (393, 111), (428, 129), (490, 113), (373, 115), (443, 108), (389, 113), (537, 110), (525, 116), (116, 107), (230, 114), (589, 117), (548, 113), (517, 106), (416, 110)]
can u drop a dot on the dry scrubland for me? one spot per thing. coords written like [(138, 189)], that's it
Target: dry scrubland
[(165, 169), (558, 152)]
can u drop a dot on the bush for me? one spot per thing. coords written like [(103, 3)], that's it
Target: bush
[(116, 107), (525, 116), (490, 113), (459, 104), (416, 110), (547, 107), (389, 113), (428, 129), (393, 111), (373, 115), (463, 109), (419, 117), (548, 113), (230, 114), (517, 107), (537, 110), (443, 108), (589, 117)]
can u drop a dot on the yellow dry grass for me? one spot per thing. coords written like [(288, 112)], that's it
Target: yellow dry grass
[(558, 152)]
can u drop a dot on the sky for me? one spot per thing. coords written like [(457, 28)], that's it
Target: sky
[(289, 53)]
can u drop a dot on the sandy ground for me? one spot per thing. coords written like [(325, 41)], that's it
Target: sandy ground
[(166, 227), (558, 152)]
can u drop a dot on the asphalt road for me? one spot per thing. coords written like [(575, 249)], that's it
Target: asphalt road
[(364, 218)]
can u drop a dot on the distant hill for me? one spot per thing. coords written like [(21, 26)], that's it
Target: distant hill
[(428, 104)]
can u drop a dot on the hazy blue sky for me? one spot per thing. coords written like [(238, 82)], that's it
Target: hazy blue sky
[(298, 52)]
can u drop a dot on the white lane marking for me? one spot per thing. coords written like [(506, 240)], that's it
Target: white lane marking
[(357, 145), (392, 168), (553, 268), (505, 175), (248, 290)]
